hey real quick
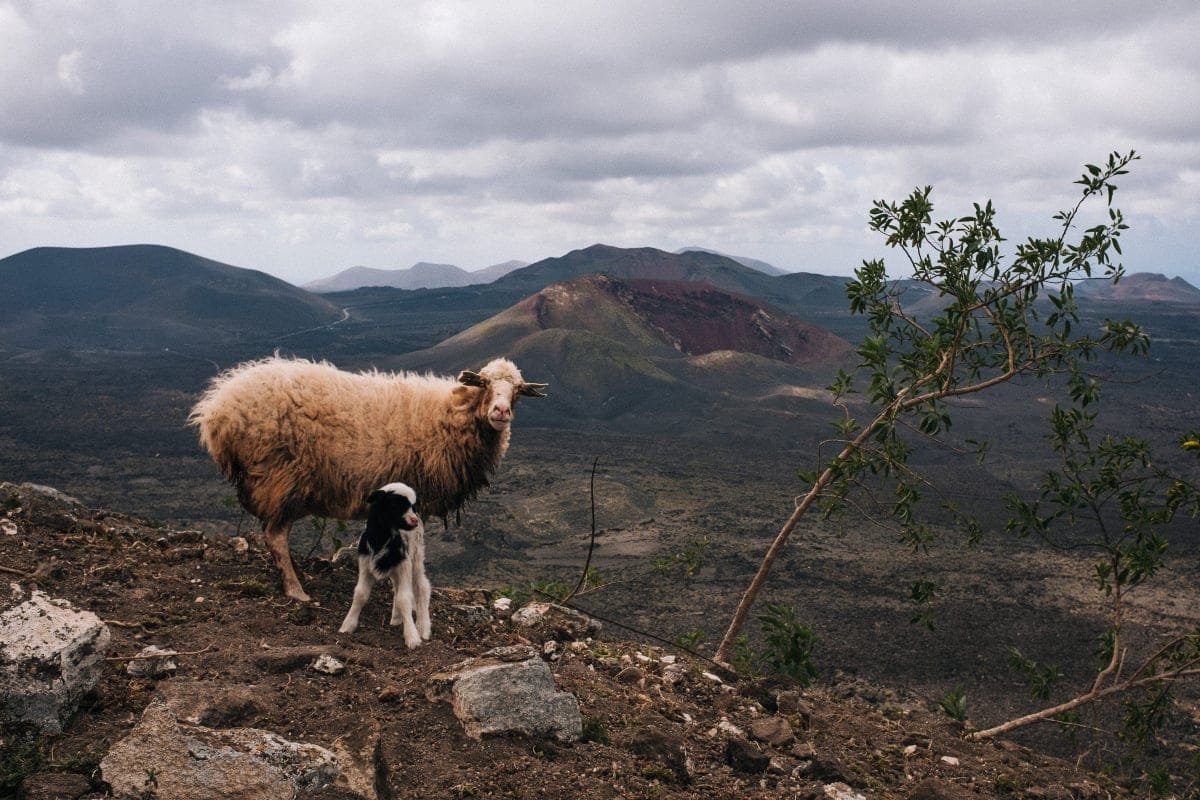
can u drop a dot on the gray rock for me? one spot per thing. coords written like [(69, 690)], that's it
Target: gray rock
[(162, 757), (507, 690), (51, 655)]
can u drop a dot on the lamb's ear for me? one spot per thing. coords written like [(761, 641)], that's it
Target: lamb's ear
[(375, 495), (468, 378), (533, 389)]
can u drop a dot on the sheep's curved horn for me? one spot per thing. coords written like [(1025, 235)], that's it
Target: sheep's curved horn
[(532, 389), (468, 378)]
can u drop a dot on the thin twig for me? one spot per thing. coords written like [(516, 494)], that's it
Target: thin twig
[(11, 571), (587, 564), (167, 654)]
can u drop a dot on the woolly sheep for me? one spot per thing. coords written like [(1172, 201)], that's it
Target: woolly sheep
[(299, 438), (393, 546)]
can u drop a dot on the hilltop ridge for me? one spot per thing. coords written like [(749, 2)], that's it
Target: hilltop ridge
[(657, 722)]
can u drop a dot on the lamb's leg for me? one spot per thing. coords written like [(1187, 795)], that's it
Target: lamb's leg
[(277, 542), (362, 593), (402, 602), (421, 590)]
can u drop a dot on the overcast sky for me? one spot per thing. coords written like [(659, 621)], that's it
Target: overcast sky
[(302, 138)]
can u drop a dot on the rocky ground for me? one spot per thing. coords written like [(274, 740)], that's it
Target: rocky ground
[(655, 723)]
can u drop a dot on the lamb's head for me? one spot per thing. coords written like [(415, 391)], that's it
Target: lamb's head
[(394, 507), (502, 384)]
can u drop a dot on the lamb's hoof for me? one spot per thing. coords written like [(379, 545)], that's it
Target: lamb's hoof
[(348, 629), (412, 643), (298, 594)]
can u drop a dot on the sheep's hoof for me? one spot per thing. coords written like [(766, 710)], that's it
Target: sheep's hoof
[(298, 594), (347, 628)]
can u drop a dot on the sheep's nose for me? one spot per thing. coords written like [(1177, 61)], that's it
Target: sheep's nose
[(502, 412)]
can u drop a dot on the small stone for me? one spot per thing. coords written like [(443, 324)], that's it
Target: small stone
[(239, 544), (712, 677), (775, 731), (951, 760), (910, 751), (390, 694), (328, 665), (673, 674), (804, 750), (725, 726), (502, 607), (840, 791), (153, 663), (8, 527), (472, 613)]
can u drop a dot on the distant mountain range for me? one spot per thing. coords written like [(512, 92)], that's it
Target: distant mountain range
[(1141, 287), (422, 275), (615, 330)]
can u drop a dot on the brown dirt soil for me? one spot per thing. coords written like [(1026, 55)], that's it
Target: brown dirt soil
[(220, 609)]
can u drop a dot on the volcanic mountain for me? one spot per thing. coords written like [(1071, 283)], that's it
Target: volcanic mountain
[(144, 297), (641, 263), (611, 346)]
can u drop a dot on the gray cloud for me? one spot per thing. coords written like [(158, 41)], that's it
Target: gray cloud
[(301, 137)]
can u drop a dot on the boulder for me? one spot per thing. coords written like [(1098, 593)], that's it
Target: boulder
[(508, 690), (41, 505), (51, 655), (162, 757)]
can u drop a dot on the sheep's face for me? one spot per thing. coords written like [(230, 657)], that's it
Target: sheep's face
[(502, 384)]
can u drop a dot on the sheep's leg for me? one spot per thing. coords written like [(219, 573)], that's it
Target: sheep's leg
[(402, 602), (277, 542), (362, 593)]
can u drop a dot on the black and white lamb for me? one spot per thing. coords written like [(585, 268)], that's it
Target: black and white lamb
[(393, 546)]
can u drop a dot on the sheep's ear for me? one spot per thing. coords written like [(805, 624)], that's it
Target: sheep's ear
[(375, 495), (468, 378), (533, 389)]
